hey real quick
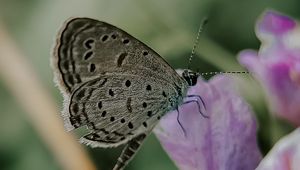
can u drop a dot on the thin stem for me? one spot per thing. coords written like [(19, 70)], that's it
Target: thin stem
[(23, 83)]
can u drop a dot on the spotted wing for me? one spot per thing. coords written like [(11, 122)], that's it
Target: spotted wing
[(117, 107), (87, 48)]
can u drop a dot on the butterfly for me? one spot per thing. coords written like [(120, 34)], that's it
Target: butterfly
[(113, 84)]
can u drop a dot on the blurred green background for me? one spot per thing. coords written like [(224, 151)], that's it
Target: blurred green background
[(168, 26)]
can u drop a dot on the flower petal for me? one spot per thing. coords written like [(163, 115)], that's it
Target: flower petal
[(275, 23), (249, 58), (225, 140), (285, 155), (276, 66)]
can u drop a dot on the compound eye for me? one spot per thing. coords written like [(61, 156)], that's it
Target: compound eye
[(190, 77)]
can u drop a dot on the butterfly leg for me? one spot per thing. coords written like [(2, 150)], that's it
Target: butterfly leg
[(190, 101), (198, 97), (180, 122), (129, 151), (199, 108)]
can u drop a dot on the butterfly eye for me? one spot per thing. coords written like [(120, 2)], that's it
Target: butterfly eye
[(190, 77)]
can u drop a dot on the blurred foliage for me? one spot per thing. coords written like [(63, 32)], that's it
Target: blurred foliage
[(168, 26)]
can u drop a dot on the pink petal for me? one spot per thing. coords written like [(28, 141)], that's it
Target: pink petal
[(225, 140), (276, 66), (249, 59), (285, 155), (275, 23)]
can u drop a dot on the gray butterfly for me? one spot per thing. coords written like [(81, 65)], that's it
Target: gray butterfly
[(114, 85)]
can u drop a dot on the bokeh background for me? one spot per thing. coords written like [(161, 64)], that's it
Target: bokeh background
[(28, 139)]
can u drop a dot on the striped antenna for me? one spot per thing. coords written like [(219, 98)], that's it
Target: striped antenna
[(201, 27), (224, 72)]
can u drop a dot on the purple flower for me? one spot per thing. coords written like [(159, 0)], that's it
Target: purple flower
[(277, 64), (225, 140), (285, 155)]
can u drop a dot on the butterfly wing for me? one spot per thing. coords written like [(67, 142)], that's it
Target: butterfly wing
[(87, 48), (117, 107), (112, 83), (93, 62)]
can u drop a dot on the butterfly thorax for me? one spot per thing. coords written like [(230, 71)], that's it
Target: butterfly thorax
[(177, 99), (189, 78)]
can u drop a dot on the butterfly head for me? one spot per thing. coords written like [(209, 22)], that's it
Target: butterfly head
[(190, 77)]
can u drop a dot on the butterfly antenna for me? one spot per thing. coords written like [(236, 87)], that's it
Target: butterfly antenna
[(201, 27), (223, 72)]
